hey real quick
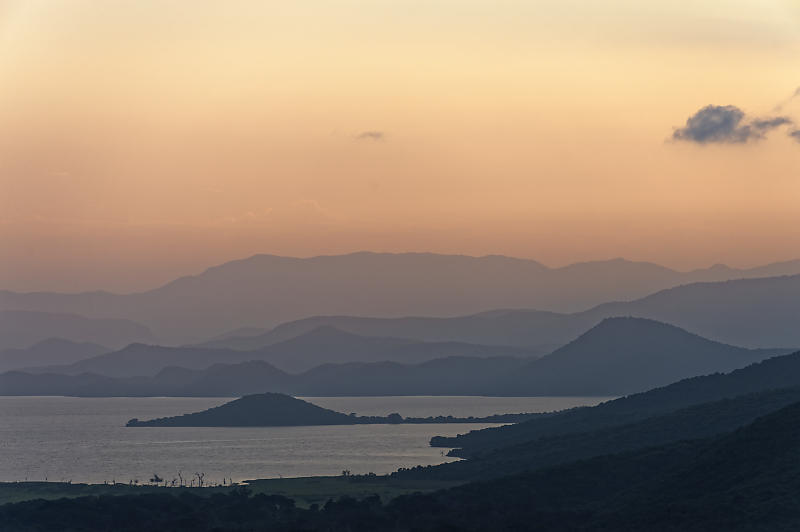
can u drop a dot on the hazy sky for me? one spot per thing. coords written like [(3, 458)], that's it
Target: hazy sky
[(144, 139)]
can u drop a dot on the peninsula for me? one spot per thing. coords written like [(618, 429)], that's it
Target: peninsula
[(280, 410)]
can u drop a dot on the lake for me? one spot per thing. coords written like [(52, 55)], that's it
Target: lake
[(85, 440)]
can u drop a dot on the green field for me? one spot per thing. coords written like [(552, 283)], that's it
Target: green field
[(305, 490)]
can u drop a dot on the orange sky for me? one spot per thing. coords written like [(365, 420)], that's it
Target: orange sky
[(145, 139)]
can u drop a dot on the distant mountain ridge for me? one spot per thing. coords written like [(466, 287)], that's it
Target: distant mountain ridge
[(446, 376), (322, 345), (21, 329), (265, 290), (761, 312), (619, 356), (49, 352)]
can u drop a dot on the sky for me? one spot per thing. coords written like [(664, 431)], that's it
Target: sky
[(141, 140)]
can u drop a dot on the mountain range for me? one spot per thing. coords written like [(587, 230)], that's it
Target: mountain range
[(319, 346), (618, 356), (628, 355), (49, 352), (762, 312), (21, 329), (265, 290)]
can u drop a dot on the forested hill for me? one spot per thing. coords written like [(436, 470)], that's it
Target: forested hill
[(279, 410), (697, 421), (777, 372)]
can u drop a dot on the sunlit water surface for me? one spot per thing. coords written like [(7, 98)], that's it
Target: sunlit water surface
[(85, 439)]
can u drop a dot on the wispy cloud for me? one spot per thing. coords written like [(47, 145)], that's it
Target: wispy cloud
[(371, 135), (767, 124), (727, 124), (787, 101)]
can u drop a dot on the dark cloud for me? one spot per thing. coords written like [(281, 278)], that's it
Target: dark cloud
[(765, 124), (715, 123), (795, 134), (371, 135), (726, 124)]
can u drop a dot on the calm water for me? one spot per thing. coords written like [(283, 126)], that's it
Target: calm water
[(85, 440)]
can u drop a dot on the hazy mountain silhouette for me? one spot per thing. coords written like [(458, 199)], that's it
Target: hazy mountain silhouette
[(448, 376), (442, 376), (82, 385), (49, 352), (146, 360), (537, 330), (747, 312), (762, 312), (626, 355), (222, 380), (318, 346), (265, 290), (328, 344), (240, 332), (617, 356), (22, 329), (218, 380), (774, 373)]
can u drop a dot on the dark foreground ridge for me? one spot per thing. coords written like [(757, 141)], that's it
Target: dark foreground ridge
[(772, 374), (279, 410)]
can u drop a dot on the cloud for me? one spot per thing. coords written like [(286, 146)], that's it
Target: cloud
[(766, 124), (371, 135), (726, 124), (714, 123), (795, 134), (788, 100)]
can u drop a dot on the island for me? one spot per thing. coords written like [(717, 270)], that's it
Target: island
[(280, 410)]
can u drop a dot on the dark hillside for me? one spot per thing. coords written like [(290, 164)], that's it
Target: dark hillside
[(774, 373)]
